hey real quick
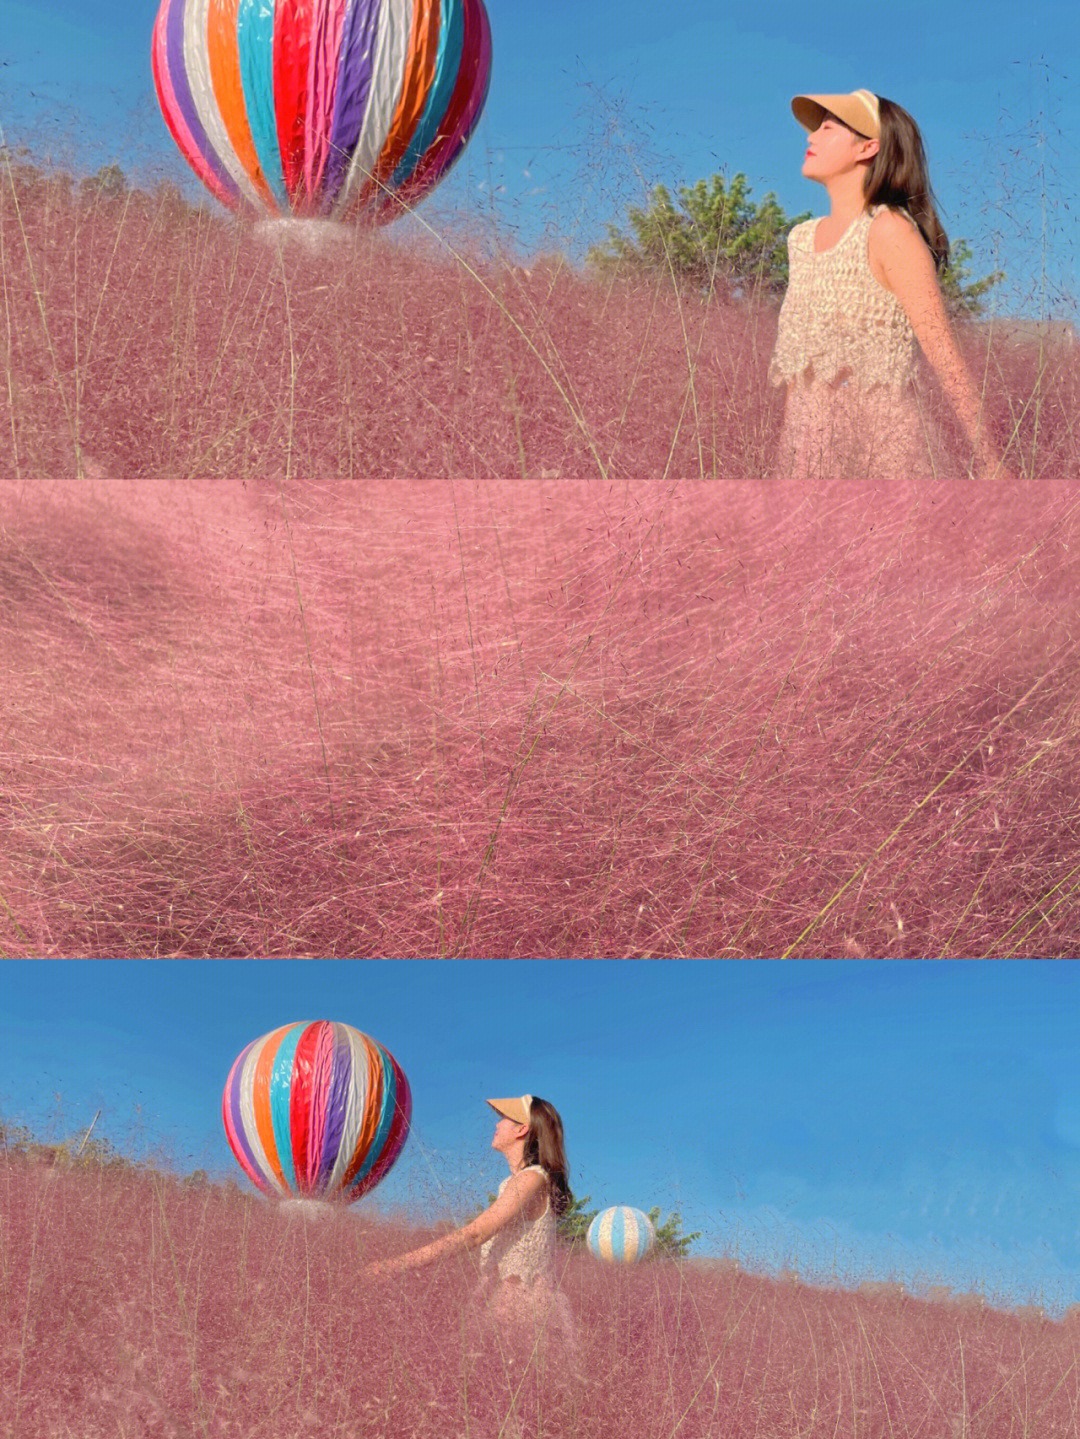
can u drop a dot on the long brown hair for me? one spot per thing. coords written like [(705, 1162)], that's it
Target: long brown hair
[(900, 176), (544, 1146)]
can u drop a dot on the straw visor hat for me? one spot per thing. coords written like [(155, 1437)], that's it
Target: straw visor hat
[(860, 110), (519, 1110)]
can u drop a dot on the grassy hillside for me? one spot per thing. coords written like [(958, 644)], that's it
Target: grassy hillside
[(556, 718), (134, 1304), (142, 338)]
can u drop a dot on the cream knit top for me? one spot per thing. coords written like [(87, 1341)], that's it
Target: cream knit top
[(524, 1249), (837, 317)]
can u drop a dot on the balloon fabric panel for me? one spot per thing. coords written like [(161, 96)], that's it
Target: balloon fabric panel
[(391, 49), (196, 62), (358, 1100), (178, 105), (291, 59), (255, 43), (281, 1091), (363, 1136), (234, 1121), (224, 55), (260, 1096), (465, 107), (303, 1091), (444, 78), (381, 1119), (356, 70), (325, 49), (419, 70), (338, 1087)]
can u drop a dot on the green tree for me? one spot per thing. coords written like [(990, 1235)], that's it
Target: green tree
[(964, 298), (573, 1224), (713, 237), (717, 239), (110, 183), (671, 1242)]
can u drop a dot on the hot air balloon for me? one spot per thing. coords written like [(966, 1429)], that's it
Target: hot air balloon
[(316, 1111), (332, 109), (621, 1235)]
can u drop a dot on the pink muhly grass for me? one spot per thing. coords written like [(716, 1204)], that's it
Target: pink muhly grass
[(143, 339), (136, 1303), (548, 719)]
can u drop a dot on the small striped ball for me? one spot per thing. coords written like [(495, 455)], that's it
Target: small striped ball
[(621, 1235)]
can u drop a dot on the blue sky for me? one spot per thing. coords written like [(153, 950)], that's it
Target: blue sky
[(858, 1120), (591, 105)]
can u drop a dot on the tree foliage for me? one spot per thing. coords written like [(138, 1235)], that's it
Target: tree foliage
[(671, 1242), (717, 239), (573, 1223), (963, 297), (713, 236)]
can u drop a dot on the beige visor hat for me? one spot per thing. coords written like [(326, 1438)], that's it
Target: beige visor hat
[(518, 1109), (860, 110)]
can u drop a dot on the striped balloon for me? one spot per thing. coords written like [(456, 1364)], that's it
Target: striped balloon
[(621, 1235), (331, 108), (318, 1110)]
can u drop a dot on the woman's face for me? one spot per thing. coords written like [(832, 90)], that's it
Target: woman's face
[(506, 1134), (833, 149)]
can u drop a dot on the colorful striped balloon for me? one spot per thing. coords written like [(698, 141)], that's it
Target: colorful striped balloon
[(331, 108), (317, 1110), (621, 1235)]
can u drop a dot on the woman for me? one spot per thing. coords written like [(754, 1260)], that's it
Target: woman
[(518, 1291), (863, 289)]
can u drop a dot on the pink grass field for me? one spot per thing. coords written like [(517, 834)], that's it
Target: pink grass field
[(134, 1304), (139, 338), (539, 719)]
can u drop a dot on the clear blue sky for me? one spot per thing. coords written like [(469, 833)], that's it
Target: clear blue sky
[(858, 1119), (592, 103)]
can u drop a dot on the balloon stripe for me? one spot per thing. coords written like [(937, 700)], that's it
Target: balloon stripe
[(234, 1124), (174, 120), (281, 1085), (196, 148), (419, 72), (369, 1121), (255, 43), (301, 1104), (322, 81), (389, 1142), (358, 1101), (464, 114), (355, 74), (260, 1098), (223, 52), (246, 1090), (291, 59), (391, 49), (384, 1123), (478, 82), (197, 70), (335, 1103), (444, 80), (322, 1133)]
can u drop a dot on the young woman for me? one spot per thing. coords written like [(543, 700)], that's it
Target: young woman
[(862, 290), (515, 1234)]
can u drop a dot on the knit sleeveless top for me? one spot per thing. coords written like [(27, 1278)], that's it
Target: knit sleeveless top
[(837, 317), (525, 1248)]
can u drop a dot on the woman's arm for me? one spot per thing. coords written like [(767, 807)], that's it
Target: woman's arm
[(515, 1199), (908, 267)]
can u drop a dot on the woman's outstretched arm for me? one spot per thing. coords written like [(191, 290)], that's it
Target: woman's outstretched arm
[(910, 273), (515, 1199)]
